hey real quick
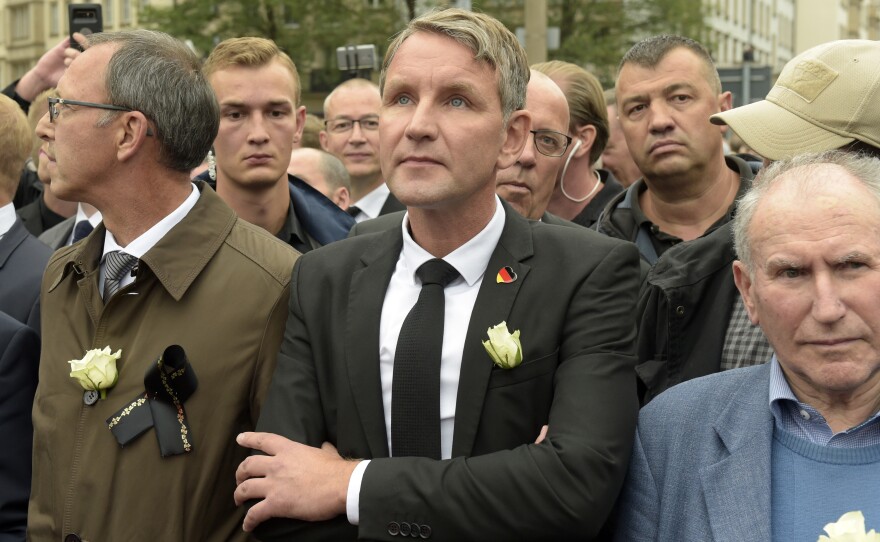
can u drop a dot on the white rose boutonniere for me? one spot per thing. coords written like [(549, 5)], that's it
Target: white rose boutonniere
[(96, 370), (503, 346), (849, 528)]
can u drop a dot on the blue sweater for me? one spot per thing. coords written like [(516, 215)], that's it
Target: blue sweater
[(814, 485)]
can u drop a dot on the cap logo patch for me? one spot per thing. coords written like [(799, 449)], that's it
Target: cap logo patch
[(809, 78)]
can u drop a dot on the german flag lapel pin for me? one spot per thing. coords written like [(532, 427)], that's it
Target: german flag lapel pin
[(505, 275)]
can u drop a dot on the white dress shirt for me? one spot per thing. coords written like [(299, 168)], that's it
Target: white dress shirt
[(7, 218), (470, 260), (371, 204), (148, 239)]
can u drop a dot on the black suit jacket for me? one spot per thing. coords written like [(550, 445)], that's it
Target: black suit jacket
[(573, 300), (22, 262), (391, 205), (19, 364)]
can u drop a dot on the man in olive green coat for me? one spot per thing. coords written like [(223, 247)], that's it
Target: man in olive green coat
[(146, 450)]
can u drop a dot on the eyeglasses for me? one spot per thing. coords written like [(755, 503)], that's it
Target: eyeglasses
[(340, 126), (54, 110), (550, 143)]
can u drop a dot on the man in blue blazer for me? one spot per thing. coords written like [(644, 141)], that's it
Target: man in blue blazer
[(467, 465), (777, 451)]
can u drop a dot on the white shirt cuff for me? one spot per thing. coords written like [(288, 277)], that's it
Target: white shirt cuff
[(353, 498)]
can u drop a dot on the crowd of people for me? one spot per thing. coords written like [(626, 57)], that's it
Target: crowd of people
[(477, 300)]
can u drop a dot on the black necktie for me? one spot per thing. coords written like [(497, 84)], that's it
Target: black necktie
[(353, 210), (117, 264), (415, 387), (82, 229)]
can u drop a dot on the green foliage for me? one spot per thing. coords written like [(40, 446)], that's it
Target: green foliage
[(593, 33), (596, 33), (300, 27)]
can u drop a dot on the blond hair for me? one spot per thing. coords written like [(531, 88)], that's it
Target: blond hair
[(251, 52)]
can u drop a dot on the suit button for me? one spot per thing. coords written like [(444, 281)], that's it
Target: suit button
[(405, 528), (72, 538), (414, 530), (90, 397), (393, 528), (425, 531)]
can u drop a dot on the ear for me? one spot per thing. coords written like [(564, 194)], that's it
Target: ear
[(587, 134), (744, 284), (725, 103), (322, 138), (133, 132), (341, 197), (300, 123), (516, 137)]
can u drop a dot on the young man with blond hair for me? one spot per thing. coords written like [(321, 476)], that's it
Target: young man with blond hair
[(258, 88)]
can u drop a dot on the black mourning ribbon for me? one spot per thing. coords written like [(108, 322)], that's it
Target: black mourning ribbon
[(168, 383)]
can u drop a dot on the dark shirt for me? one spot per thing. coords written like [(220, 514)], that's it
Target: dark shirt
[(663, 241), (294, 235)]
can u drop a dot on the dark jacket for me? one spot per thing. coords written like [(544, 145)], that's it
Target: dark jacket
[(322, 220), (618, 219), (685, 311)]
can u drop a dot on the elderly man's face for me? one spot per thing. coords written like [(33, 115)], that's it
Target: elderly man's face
[(815, 288), (528, 184)]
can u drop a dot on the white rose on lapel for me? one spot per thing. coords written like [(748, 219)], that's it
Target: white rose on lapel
[(849, 528), (503, 346), (97, 370)]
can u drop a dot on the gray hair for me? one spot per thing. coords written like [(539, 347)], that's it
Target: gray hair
[(159, 76), (864, 168), (649, 52), (490, 41)]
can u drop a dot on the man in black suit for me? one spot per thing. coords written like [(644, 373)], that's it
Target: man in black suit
[(22, 257), (19, 362), (467, 466)]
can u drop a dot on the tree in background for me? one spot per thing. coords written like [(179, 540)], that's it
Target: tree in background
[(596, 33), (304, 29), (593, 33)]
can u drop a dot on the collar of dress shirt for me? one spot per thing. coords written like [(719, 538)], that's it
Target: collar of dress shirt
[(371, 204), (782, 398), (7, 218), (94, 220), (470, 259), (149, 238)]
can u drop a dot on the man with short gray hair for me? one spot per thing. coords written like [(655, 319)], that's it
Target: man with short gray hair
[(777, 451), (183, 352)]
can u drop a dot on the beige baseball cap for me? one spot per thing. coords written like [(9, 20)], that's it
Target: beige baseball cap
[(825, 98)]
